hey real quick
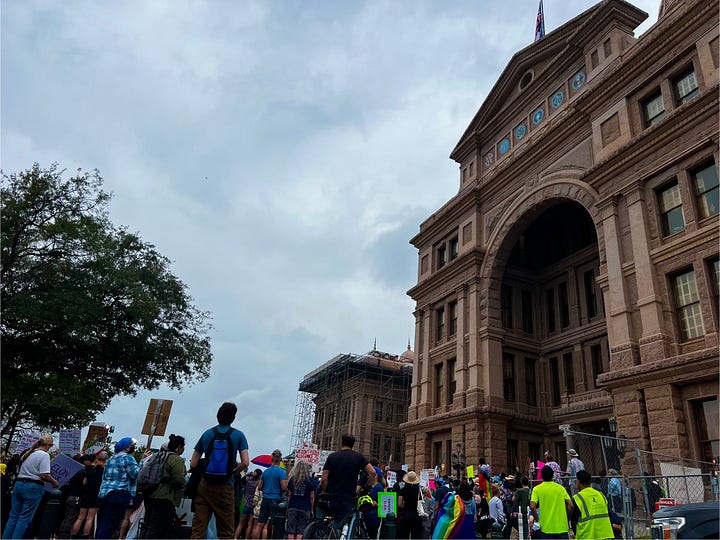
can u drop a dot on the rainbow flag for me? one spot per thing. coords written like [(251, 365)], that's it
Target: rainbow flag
[(450, 518)]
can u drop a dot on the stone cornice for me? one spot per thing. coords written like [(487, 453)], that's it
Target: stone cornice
[(451, 211), (687, 242), (445, 281), (651, 47), (676, 369)]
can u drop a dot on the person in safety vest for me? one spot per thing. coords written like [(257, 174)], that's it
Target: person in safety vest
[(590, 518)]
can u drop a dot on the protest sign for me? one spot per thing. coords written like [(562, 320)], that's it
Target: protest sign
[(391, 478), (387, 503), (26, 441), (62, 468), (69, 441)]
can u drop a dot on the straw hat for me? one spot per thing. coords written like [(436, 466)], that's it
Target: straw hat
[(411, 478), (572, 452)]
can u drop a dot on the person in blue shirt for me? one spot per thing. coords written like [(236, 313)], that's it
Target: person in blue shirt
[(273, 483)]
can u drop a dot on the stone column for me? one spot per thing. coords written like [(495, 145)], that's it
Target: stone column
[(615, 293), (425, 404), (629, 406), (654, 343), (473, 391), (666, 420), (461, 371), (415, 388)]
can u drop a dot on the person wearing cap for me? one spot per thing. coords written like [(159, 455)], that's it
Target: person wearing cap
[(410, 524), (590, 516), (555, 505), (574, 465), (273, 483), (118, 487), (30, 487)]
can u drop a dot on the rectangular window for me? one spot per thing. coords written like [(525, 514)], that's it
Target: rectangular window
[(569, 373), (597, 363), (390, 413), (607, 48), (454, 248), (706, 190), (509, 377), (379, 408), (590, 294), (387, 448), (653, 109), (441, 256), (564, 306), (527, 312), (550, 306), (530, 384), (687, 302), (534, 451), (398, 455), (555, 381), (346, 412), (686, 86), (440, 324), (439, 385), (506, 306), (715, 278), (708, 420), (452, 381), (512, 454), (671, 214), (453, 308), (375, 445)]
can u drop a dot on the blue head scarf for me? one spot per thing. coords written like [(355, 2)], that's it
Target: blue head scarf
[(124, 444)]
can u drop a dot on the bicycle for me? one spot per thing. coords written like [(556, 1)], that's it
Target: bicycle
[(352, 527)]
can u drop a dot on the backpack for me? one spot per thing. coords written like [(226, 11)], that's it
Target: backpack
[(151, 474), (220, 458)]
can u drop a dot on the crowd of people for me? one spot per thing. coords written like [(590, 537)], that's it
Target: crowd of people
[(228, 501)]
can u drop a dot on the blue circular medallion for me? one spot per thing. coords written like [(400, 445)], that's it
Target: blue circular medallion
[(538, 116), (489, 158), (504, 146), (578, 80), (557, 99), (520, 131)]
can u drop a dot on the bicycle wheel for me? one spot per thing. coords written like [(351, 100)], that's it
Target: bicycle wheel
[(357, 530), (317, 530)]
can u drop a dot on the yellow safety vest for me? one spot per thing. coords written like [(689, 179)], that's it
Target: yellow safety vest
[(594, 522)]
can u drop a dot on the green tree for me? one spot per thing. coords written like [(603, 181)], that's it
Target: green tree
[(89, 310)]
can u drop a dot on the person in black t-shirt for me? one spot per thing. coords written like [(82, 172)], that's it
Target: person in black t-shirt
[(340, 474)]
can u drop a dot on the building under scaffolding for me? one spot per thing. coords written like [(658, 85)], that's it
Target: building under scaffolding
[(366, 395)]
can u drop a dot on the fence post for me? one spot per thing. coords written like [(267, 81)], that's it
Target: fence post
[(627, 507)]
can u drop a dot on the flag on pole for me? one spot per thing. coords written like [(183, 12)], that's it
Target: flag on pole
[(540, 22)]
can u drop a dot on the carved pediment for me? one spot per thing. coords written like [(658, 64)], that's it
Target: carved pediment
[(535, 73)]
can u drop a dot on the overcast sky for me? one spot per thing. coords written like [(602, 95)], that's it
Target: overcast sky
[(281, 153)]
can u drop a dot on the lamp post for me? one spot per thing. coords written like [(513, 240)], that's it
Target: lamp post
[(458, 460)]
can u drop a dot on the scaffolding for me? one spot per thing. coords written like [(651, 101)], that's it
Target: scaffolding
[(367, 395)]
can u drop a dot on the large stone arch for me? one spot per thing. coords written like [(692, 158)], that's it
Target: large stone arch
[(550, 191)]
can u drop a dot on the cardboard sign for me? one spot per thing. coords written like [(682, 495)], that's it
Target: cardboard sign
[(69, 441), (427, 477), (387, 503), (157, 416), (26, 441), (62, 468)]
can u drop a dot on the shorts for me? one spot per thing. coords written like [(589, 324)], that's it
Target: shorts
[(89, 501), (248, 510), (267, 509), (297, 520), (135, 502)]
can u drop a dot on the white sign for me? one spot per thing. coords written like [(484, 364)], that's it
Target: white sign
[(309, 452), (62, 468), (425, 476), (321, 461), (391, 478), (69, 441), (684, 484), (405, 467)]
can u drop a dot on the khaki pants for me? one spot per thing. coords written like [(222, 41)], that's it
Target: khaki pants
[(218, 499)]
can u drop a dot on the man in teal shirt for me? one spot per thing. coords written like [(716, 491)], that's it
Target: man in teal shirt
[(273, 483)]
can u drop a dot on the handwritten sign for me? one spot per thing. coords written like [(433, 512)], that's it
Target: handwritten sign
[(427, 476), (470, 471), (391, 478), (62, 468), (69, 441), (387, 503), (26, 441), (309, 452)]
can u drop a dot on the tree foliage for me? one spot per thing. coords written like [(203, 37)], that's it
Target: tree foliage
[(89, 310)]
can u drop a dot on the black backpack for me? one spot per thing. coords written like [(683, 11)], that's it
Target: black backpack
[(220, 458), (151, 474)]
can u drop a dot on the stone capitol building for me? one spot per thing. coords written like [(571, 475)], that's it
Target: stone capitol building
[(573, 278)]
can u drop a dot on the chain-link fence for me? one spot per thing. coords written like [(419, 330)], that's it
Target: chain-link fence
[(636, 481)]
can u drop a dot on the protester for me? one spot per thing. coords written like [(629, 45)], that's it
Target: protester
[(273, 483), (590, 517), (555, 506), (555, 466), (217, 497), (30, 487), (119, 485), (301, 499), (247, 519), (73, 491), (160, 503), (410, 524), (340, 474), (522, 499), (573, 466), (89, 497)]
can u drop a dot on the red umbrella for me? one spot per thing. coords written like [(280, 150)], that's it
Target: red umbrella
[(264, 460)]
